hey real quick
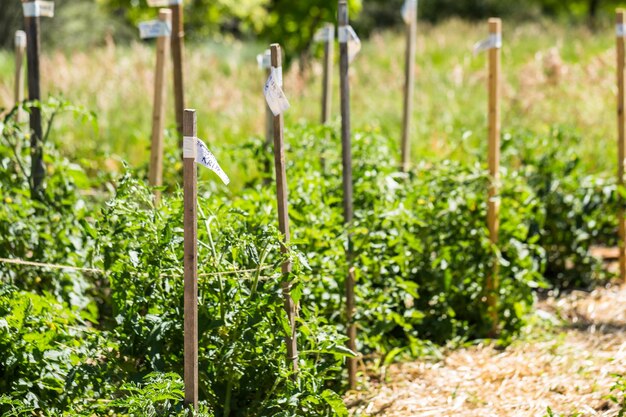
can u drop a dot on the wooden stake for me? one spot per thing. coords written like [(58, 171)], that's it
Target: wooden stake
[(344, 68), (621, 20), (493, 205), (269, 127), (350, 310), (269, 120), (178, 47), (327, 81), (409, 87), (158, 111), (190, 180), (20, 49), (282, 192), (31, 24)]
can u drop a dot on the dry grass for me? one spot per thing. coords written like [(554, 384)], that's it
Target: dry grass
[(569, 368), (553, 75)]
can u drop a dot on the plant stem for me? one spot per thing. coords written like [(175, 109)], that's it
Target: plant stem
[(257, 274), (220, 282), (229, 391)]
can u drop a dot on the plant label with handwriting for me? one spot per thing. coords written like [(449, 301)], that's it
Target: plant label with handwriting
[(494, 41), (264, 60), (194, 148), (154, 29), (274, 95), (409, 11), (349, 36), (325, 34), (38, 8)]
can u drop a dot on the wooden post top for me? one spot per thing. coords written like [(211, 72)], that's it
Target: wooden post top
[(495, 25), (189, 123), (621, 16), (165, 15), (276, 55), (343, 13)]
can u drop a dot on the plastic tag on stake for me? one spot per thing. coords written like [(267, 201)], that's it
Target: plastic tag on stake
[(164, 3), (325, 34), (274, 95), (409, 11), (205, 157), (278, 75), (620, 30), (264, 60), (20, 39), (494, 41), (194, 148), (349, 36), (190, 150), (154, 29), (39, 8)]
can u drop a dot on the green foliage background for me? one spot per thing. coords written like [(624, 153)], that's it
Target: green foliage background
[(80, 23)]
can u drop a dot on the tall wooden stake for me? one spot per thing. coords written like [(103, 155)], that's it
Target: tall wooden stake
[(493, 205), (344, 68), (282, 192), (327, 81), (31, 24), (178, 49), (158, 111), (269, 120), (20, 49), (409, 87), (269, 124), (621, 22), (190, 180)]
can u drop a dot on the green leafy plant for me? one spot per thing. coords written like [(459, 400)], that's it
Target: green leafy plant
[(42, 343), (77, 343), (53, 228), (158, 395), (577, 210)]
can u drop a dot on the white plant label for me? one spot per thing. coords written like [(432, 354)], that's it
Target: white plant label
[(325, 34), (20, 39), (38, 8), (264, 60), (154, 29), (274, 95), (164, 3), (205, 157), (620, 30), (494, 41), (190, 150), (349, 36), (409, 11), (196, 149), (278, 75)]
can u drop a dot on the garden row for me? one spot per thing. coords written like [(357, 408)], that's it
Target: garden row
[(77, 342)]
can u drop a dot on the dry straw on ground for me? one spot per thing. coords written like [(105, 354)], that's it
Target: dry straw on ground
[(569, 368)]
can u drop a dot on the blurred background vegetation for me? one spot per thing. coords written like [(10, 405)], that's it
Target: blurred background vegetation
[(85, 23), (559, 59)]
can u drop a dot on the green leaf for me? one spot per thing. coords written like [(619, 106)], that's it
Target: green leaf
[(335, 402)]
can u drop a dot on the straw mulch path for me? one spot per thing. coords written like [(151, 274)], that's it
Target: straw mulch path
[(568, 367)]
